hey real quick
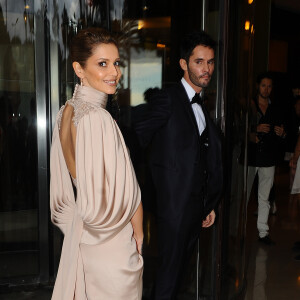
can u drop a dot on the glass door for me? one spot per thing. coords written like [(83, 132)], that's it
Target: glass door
[(19, 205), (150, 34)]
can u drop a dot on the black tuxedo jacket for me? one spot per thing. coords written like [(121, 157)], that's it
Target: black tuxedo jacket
[(171, 131)]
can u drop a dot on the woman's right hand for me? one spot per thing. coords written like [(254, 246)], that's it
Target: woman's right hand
[(137, 225), (139, 243)]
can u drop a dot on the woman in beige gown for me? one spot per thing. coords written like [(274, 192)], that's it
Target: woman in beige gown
[(102, 224)]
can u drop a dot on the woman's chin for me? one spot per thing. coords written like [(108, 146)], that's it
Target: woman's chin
[(110, 91)]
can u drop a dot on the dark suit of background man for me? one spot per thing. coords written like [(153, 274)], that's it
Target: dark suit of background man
[(185, 162)]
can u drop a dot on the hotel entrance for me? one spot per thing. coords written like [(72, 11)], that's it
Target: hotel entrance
[(36, 78)]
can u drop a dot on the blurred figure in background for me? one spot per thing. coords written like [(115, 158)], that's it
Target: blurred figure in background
[(266, 134)]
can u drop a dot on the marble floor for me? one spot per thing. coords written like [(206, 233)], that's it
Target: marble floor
[(272, 273), (39, 293)]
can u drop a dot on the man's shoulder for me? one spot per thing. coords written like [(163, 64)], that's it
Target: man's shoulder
[(175, 90), (171, 91), (174, 87)]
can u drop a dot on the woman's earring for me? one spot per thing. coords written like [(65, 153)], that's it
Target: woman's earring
[(81, 81)]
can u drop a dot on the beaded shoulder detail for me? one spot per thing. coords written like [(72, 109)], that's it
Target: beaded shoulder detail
[(81, 107), (60, 116)]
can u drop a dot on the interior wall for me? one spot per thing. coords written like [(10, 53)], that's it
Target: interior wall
[(261, 38), (278, 56)]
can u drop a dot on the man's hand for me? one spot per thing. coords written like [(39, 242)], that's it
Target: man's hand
[(210, 219), (279, 130), (263, 128)]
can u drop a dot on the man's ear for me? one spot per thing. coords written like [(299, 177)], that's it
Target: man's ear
[(183, 64), (78, 70)]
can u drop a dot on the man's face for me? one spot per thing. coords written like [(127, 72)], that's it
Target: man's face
[(199, 69), (265, 88)]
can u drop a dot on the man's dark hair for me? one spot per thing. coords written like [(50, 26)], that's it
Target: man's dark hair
[(192, 40), (262, 76)]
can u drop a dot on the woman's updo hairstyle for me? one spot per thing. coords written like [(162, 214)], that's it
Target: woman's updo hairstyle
[(86, 40)]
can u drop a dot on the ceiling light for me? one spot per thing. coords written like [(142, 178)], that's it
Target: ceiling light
[(247, 25)]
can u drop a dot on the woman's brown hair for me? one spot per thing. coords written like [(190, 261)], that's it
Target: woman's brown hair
[(86, 40)]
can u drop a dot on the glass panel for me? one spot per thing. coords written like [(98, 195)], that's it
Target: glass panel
[(239, 94), (212, 26), (18, 142), (150, 33)]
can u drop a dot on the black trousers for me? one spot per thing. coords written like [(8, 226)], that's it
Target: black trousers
[(177, 237)]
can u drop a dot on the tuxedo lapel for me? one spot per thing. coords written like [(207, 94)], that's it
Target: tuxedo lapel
[(182, 95)]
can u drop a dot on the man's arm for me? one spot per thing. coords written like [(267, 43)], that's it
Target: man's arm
[(156, 117)]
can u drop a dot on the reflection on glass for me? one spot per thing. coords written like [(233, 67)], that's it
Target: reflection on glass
[(18, 141), (237, 209), (146, 71), (258, 290), (237, 119)]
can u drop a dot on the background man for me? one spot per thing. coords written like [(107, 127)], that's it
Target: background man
[(267, 132), (185, 161)]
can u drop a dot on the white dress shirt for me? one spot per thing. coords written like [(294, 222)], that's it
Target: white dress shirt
[(198, 112)]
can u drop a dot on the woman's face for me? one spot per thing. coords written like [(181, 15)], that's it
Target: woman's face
[(102, 69)]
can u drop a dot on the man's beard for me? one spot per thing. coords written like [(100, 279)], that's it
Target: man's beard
[(195, 80), (264, 97)]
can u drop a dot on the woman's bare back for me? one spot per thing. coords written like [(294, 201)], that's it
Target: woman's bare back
[(67, 135)]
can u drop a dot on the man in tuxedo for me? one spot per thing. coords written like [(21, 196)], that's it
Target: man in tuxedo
[(185, 162)]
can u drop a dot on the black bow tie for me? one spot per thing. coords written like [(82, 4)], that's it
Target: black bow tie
[(197, 99)]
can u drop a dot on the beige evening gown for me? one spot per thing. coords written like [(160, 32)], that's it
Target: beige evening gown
[(99, 259)]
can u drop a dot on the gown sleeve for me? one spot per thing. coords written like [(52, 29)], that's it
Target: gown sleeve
[(107, 190)]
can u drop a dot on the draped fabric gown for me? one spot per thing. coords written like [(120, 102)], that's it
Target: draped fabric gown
[(99, 259)]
